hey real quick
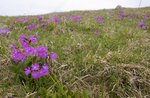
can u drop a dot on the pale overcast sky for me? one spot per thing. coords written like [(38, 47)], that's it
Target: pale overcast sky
[(33, 7)]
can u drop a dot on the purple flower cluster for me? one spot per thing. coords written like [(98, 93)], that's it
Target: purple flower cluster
[(142, 25), (40, 51), (17, 55), (4, 31), (75, 18), (49, 20), (53, 20), (35, 51), (56, 20), (36, 71), (122, 14), (32, 39), (43, 24), (26, 19), (24, 42), (39, 18), (31, 27), (19, 20), (99, 19), (28, 50), (130, 16)]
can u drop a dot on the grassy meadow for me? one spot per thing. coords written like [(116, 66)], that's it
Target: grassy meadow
[(108, 57)]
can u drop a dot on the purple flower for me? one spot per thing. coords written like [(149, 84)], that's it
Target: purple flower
[(130, 16), (32, 39), (42, 52), (19, 20), (12, 46), (39, 18), (99, 19), (45, 67), (28, 50), (36, 34), (145, 17), (15, 51), (56, 20), (122, 14), (31, 27), (35, 67), (44, 70), (10, 27), (53, 56), (35, 75), (22, 38), (36, 71), (97, 33), (17, 55), (4, 31), (21, 56), (23, 41), (26, 19), (43, 24), (27, 71), (35, 51), (75, 18), (49, 20), (142, 25)]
